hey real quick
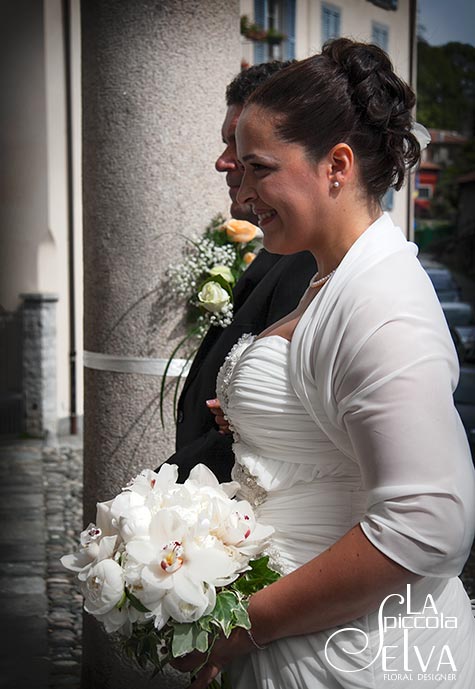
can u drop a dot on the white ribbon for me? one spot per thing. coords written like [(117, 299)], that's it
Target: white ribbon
[(135, 364)]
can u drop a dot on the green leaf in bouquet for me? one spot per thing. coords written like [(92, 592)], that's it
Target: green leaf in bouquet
[(134, 601), (122, 601), (214, 231), (241, 618), (256, 578), (188, 637), (223, 612), (205, 623)]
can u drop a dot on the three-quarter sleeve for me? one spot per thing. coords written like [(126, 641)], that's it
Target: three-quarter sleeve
[(392, 384)]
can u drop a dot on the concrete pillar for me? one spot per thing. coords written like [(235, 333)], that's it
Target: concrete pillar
[(154, 76), (39, 363)]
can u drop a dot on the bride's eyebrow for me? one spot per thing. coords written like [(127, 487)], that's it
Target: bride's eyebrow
[(263, 157)]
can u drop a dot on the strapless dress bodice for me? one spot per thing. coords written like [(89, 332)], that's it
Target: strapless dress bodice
[(275, 439)]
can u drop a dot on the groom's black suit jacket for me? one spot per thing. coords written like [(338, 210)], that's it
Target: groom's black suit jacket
[(269, 289)]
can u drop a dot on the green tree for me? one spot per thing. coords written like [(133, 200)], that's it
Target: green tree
[(446, 86)]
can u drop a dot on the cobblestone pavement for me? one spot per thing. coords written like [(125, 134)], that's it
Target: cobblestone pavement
[(41, 517), (41, 513), (62, 478)]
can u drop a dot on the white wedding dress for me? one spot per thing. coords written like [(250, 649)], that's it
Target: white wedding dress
[(301, 485), (312, 491)]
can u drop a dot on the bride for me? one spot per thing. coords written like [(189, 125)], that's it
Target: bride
[(345, 433)]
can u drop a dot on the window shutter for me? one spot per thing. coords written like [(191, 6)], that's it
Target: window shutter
[(387, 202), (260, 7), (330, 22), (380, 35), (289, 29)]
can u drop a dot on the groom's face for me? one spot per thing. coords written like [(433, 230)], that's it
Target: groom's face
[(227, 162)]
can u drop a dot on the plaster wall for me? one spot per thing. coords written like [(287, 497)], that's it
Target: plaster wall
[(23, 151)]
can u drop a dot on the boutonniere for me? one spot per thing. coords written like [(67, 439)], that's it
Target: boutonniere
[(204, 281)]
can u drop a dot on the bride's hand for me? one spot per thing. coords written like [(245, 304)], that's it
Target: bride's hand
[(222, 422), (223, 652)]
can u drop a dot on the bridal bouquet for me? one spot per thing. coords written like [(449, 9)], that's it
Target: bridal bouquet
[(171, 566)]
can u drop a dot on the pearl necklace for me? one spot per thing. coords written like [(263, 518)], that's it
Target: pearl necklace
[(322, 280)]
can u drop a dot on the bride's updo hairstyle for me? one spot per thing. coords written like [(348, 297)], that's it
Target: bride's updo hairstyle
[(348, 93)]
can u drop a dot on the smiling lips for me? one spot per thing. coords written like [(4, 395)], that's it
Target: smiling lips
[(234, 183), (265, 217)]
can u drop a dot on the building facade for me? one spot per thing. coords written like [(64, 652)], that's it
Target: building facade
[(303, 26)]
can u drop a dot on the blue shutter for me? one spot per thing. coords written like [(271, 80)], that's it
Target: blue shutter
[(387, 202), (289, 29), (260, 11), (330, 22), (380, 35), (385, 4)]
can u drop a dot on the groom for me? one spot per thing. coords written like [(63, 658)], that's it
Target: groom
[(269, 289)]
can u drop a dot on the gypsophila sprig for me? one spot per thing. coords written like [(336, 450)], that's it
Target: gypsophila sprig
[(170, 567)]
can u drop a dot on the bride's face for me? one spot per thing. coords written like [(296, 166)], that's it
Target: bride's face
[(286, 190)]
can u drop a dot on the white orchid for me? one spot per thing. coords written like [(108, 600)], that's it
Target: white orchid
[(183, 564), (94, 548)]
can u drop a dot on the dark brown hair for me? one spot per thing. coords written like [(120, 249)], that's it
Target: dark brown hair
[(247, 81), (348, 93)]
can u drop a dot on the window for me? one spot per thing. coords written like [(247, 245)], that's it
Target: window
[(387, 202), (385, 4), (424, 192), (380, 35), (277, 16), (330, 22)]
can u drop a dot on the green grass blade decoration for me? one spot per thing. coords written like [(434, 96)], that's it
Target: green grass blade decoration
[(167, 367), (178, 381)]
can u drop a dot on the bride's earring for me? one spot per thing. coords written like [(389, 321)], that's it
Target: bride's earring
[(336, 184)]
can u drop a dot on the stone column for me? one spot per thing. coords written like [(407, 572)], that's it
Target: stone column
[(154, 77), (39, 364)]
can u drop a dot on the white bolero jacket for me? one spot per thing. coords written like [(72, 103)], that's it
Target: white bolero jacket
[(373, 363)]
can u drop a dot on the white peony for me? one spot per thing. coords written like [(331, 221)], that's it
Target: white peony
[(103, 587), (135, 523)]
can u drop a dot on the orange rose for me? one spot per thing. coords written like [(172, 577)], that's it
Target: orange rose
[(240, 231), (248, 257)]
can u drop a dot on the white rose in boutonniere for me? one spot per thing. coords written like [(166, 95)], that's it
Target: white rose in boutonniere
[(224, 271), (213, 297)]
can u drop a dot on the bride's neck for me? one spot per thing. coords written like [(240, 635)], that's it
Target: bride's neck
[(341, 236)]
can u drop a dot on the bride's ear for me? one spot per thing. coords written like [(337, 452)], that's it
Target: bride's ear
[(341, 165)]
